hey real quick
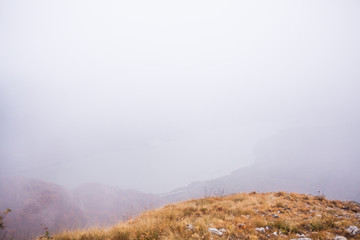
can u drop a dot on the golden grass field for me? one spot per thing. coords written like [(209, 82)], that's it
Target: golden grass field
[(287, 214)]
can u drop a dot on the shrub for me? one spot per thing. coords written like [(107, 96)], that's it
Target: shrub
[(46, 234), (3, 232), (320, 196), (2, 217)]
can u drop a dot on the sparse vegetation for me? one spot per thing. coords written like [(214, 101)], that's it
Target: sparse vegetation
[(47, 234), (285, 227), (320, 196), (3, 215), (237, 215)]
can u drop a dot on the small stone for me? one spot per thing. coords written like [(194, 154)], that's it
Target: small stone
[(215, 231), (340, 238), (260, 230), (275, 216), (275, 233), (222, 230), (190, 227), (352, 230)]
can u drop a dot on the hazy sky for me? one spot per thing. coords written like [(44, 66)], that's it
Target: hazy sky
[(153, 95)]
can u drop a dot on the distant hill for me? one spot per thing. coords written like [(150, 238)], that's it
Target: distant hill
[(36, 204), (105, 205), (306, 160), (239, 216)]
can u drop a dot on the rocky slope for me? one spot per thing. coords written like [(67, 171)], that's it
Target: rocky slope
[(238, 216)]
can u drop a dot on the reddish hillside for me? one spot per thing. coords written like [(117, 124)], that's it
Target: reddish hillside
[(36, 204)]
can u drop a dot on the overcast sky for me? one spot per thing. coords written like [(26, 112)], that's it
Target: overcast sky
[(153, 95)]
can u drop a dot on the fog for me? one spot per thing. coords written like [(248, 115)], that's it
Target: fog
[(153, 95)]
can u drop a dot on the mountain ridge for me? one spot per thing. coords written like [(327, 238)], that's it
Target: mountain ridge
[(250, 216)]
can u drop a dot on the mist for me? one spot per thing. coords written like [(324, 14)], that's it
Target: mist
[(153, 95)]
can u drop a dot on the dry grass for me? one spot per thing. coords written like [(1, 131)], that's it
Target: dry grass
[(287, 214)]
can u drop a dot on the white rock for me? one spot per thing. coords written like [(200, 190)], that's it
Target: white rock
[(222, 230), (190, 227), (275, 233), (353, 230), (340, 238), (215, 231), (261, 230)]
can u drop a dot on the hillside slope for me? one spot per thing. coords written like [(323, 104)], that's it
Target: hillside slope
[(239, 216), (37, 204)]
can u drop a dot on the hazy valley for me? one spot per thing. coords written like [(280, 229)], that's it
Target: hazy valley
[(303, 160), (171, 120)]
